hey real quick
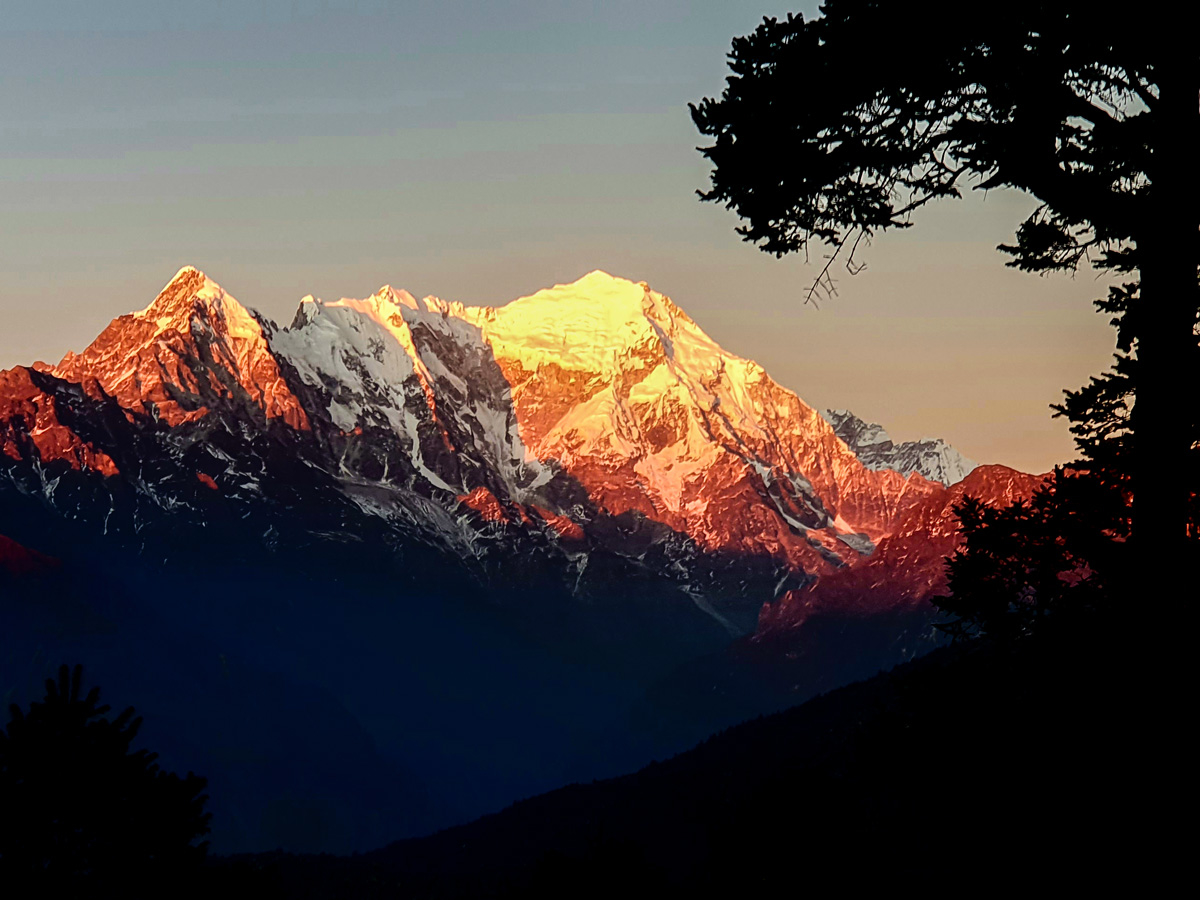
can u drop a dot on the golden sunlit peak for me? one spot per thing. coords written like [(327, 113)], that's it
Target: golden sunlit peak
[(599, 276), (396, 296), (601, 281), (188, 282), (185, 271), (595, 286)]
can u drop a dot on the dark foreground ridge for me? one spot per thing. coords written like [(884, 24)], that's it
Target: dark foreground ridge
[(979, 762)]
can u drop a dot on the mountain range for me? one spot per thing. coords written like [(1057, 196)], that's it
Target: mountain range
[(588, 420), (585, 459)]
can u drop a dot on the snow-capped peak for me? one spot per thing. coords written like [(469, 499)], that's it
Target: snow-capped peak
[(866, 434), (599, 277), (185, 271), (187, 282), (189, 288), (932, 458), (582, 326), (215, 348), (393, 297)]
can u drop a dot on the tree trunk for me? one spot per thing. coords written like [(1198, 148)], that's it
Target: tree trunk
[(1166, 346)]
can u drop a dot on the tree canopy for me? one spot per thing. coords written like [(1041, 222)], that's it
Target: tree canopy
[(842, 127), (79, 807)]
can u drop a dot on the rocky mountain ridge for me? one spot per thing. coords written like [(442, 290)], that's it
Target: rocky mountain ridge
[(592, 426), (933, 458)]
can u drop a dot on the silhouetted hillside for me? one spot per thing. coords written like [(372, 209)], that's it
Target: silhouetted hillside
[(977, 761)]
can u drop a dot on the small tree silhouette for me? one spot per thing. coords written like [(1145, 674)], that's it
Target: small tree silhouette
[(77, 805), (1041, 563)]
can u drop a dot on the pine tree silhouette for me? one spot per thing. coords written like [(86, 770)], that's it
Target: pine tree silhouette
[(79, 807)]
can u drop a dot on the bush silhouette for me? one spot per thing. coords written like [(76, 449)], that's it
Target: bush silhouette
[(79, 806)]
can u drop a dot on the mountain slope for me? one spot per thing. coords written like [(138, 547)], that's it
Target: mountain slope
[(935, 767), (908, 565), (19, 561)]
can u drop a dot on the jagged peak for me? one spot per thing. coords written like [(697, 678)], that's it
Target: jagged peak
[(387, 306), (308, 308), (384, 302), (184, 271), (396, 297), (933, 458), (187, 282), (189, 287), (855, 431)]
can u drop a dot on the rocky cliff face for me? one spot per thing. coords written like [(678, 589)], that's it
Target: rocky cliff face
[(587, 426)]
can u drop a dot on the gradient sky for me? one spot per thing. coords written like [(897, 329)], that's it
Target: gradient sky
[(479, 151)]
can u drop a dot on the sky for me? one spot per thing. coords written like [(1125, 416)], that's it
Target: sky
[(480, 151)]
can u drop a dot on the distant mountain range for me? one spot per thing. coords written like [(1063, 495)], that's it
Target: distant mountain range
[(591, 421), (585, 458)]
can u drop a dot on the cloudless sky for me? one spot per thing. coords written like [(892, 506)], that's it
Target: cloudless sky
[(480, 151)]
